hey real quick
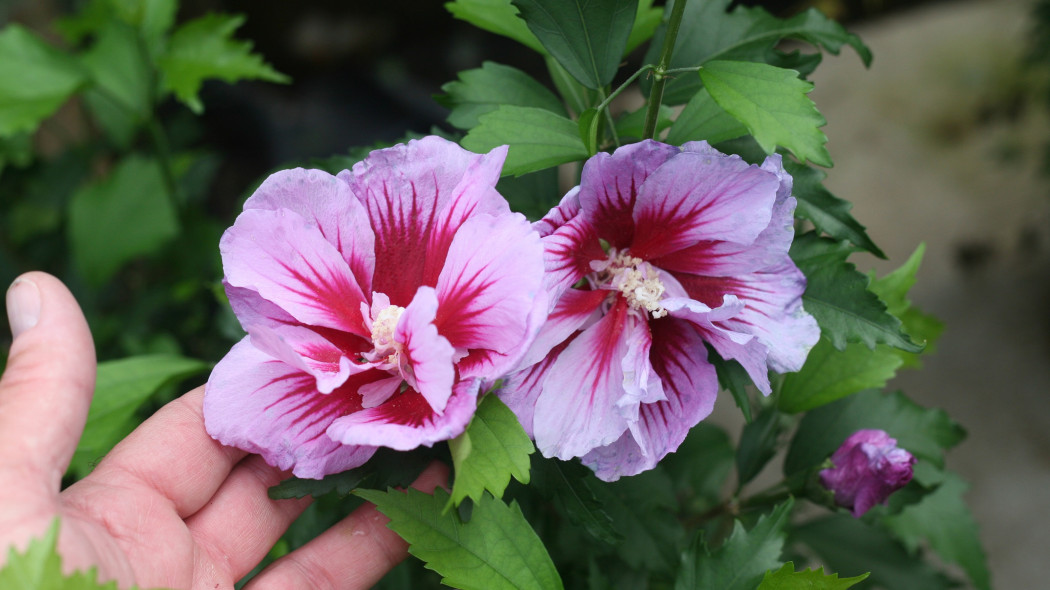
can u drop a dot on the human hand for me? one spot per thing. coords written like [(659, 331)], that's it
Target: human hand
[(167, 507)]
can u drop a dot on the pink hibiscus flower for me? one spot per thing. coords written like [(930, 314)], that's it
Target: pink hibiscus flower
[(659, 251), (376, 303)]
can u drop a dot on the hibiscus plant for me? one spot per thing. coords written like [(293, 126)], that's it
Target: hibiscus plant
[(442, 299)]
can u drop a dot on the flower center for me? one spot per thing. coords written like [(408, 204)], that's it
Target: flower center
[(383, 327), (638, 280)]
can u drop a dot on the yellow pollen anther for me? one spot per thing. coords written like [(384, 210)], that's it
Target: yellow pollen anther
[(383, 328), (639, 282)]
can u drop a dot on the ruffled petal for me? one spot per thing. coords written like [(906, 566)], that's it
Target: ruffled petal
[(426, 355), (262, 405), (521, 389), (679, 358), (305, 350), (326, 202), (287, 261), (577, 409), (561, 214), (640, 383), (489, 364), (568, 253), (576, 310), (407, 421), (417, 195)]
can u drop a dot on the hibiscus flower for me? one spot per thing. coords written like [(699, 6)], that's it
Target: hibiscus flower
[(376, 304), (660, 252)]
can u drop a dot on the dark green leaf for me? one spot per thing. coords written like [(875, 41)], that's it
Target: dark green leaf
[(35, 79), (538, 138), (493, 449), (120, 388), (703, 119), (642, 509), (39, 567), (576, 95), (702, 464), (943, 520), (16, 150), (589, 122), (497, 549), (632, 124), (733, 378), (482, 90), (772, 103), (121, 217), (587, 38), (758, 444), (786, 578), (495, 16), (122, 75), (571, 487), (926, 433), (646, 21), (741, 561), (830, 374), (204, 48), (838, 297), (828, 213), (152, 19), (531, 194), (387, 468), (850, 547)]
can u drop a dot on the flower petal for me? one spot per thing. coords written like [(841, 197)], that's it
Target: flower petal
[(426, 356), (326, 202), (305, 350), (679, 358), (561, 214), (407, 421), (521, 389), (575, 310), (262, 405), (577, 411), (417, 195), (568, 253), (287, 261)]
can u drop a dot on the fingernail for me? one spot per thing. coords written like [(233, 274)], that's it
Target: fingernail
[(23, 306)]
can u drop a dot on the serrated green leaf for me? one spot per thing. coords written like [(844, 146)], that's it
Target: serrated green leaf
[(496, 16), (571, 487), (204, 48), (742, 560), (538, 138), (122, 74), (497, 549), (926, 433), (944, 521), (701, 465), (35, 79), (576, 95), (39, 567), (837, 296), (642, 509), (893, 290), (733, 378), (772, 103), (531, 194), (587, 38), (786, 578), (484, 89), (850, 547), (709, 32), (703, 119), (633, 124), (126, 215), (386, 468), (153, 20), (493, 449), (830, 374), (120, 388), (828, 213), (758, 444)]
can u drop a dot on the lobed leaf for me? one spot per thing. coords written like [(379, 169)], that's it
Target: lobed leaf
[(495, 16), (571, 487), (758, 444), (493, 449), (496, 550), (121, 98), (828, 213), (484, 89), (40, 566), (893, 290), (537, 138), (830, 374), (772, 103), (35, 79), (786, 578), (703, 119), (642, 509)]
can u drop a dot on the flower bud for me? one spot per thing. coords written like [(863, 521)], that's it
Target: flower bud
[(867, 468)]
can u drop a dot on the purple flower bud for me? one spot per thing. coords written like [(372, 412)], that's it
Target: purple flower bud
[(868, 467)]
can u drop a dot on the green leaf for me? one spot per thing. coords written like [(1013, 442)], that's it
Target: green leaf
[(838, 297), (708, 32), (387, 468), (758, 444), (733, 377), (926, 433), (786, 578), (120, 99), (531, 194), (893, 290), (646, 21), (126, 215), (830, 374), (495, 16), (828, 213), (848, 546), (120, 388), (16, 150), (587, 38), (576, 95), (642, 508), (589, 123), (152, 19), (943, 520), (742, 560), (633, 124), (203, 49), (35, 79), (483, 90), (538, 138), (39, 567), (497, 549), (772, 103), (493, 449), (701, 465), (571, 487), (703, 119)]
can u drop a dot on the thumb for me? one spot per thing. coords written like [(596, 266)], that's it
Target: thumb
[(46, 388)]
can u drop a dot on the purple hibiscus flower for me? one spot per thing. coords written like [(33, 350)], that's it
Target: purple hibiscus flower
[(659, 251), (376, 303), (868, 467)]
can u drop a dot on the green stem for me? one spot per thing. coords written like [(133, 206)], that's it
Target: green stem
[(656, 95), (608, 115)]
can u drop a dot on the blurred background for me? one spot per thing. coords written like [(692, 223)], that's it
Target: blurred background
[(945, 140)]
